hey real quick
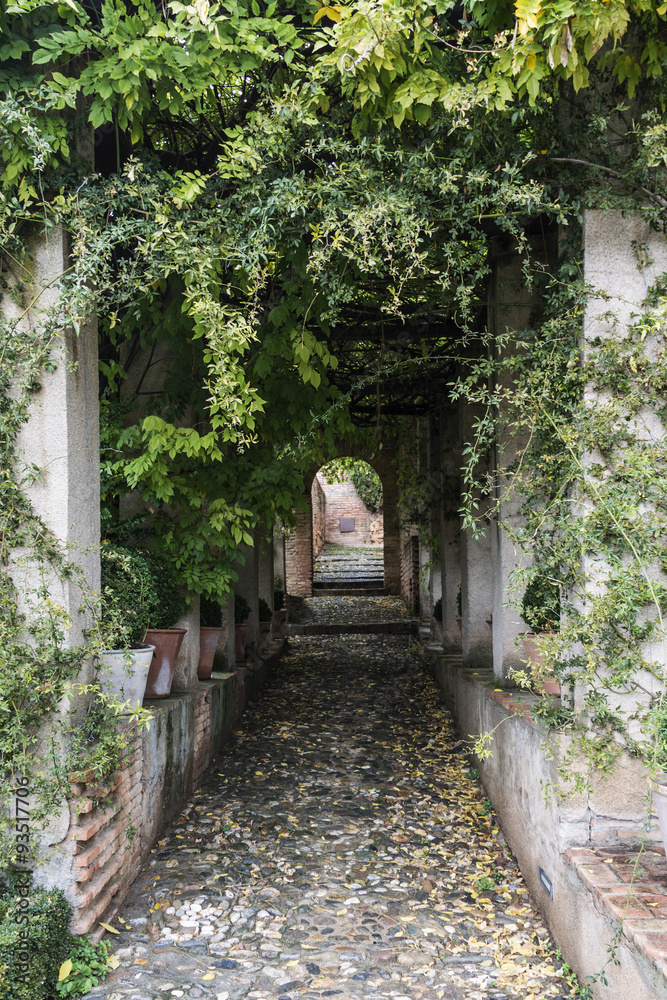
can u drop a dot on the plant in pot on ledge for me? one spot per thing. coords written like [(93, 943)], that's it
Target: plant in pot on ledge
[(167, 609), (265, 615), (279, 612), (127, 597), (210, 630), (241, 626), (540, 609), (437, 619)]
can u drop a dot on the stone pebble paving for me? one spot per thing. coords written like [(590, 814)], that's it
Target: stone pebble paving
[(340, 847), (329, 610)]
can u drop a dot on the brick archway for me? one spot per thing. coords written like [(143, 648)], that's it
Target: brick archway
[(299, 544)]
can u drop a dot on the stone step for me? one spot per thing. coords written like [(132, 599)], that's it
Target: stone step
[(352, 628), (323, 591)]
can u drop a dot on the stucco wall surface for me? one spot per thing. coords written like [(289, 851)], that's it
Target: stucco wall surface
[(539, 830)]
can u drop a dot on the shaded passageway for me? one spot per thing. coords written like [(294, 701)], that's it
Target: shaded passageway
[(339, 847)]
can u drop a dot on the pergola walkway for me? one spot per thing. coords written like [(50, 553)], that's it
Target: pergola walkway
[(341, 847)]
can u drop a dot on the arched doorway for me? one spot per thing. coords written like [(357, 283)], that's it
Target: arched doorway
[(299, 549), (348, 529)]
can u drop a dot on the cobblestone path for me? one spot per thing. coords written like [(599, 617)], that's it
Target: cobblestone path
[(340, 847)]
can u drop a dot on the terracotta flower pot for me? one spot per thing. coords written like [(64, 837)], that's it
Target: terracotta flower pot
[(126, 672), (535, 656), (167, 642), (209, 636), (241, 633), (489, 622), (459, 622), (439, 631), (279, 622)]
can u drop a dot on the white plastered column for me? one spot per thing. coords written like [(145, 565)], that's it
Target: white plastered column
[(623, 257), (450, 527), (476, 573), (248, 586), (61, 439), (509, 309)]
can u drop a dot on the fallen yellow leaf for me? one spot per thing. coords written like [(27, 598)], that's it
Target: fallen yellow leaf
[(109, 928), (65, 970)]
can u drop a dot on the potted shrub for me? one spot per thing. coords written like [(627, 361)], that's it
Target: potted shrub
[(127, 596), (168, 608), (540, 609), (241, 628), (210, 630), (437, 619), (265, 615), (279, 612)]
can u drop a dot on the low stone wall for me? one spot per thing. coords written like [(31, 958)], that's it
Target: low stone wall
[(104, 846), (542, 832)]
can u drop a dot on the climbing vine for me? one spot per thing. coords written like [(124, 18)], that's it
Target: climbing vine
[(309, 266)]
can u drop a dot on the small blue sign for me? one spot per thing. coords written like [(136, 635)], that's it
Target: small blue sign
[(546, 883)]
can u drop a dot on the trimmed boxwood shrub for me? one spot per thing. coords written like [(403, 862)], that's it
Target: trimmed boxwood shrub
[(138, 592), (241, 609), (278, 599), (210, 613), (437, 610), (128, 596), (264, 614), (169, 605)]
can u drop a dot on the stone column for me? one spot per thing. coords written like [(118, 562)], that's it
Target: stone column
[(266, 570), (279, 555), (430, 582), (392, 534), (61, 439), (623, 257), (509, 309), (476, 574), (248, 586), (185, 674), (450, 528), (226, 652)]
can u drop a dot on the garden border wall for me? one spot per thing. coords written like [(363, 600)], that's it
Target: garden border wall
[(108, 843), (546, 837)]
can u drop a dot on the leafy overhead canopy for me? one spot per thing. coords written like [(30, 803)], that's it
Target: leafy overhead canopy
[(254, 208)]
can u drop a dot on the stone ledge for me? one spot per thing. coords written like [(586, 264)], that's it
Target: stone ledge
[(630, 885)]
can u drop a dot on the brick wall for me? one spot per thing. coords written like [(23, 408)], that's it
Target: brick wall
[(105, 841), (342, 501), (319, 515), (299, 553), (202, 736), (108, 842)]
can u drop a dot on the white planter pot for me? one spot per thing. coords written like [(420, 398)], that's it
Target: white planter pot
[(124, 672)]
